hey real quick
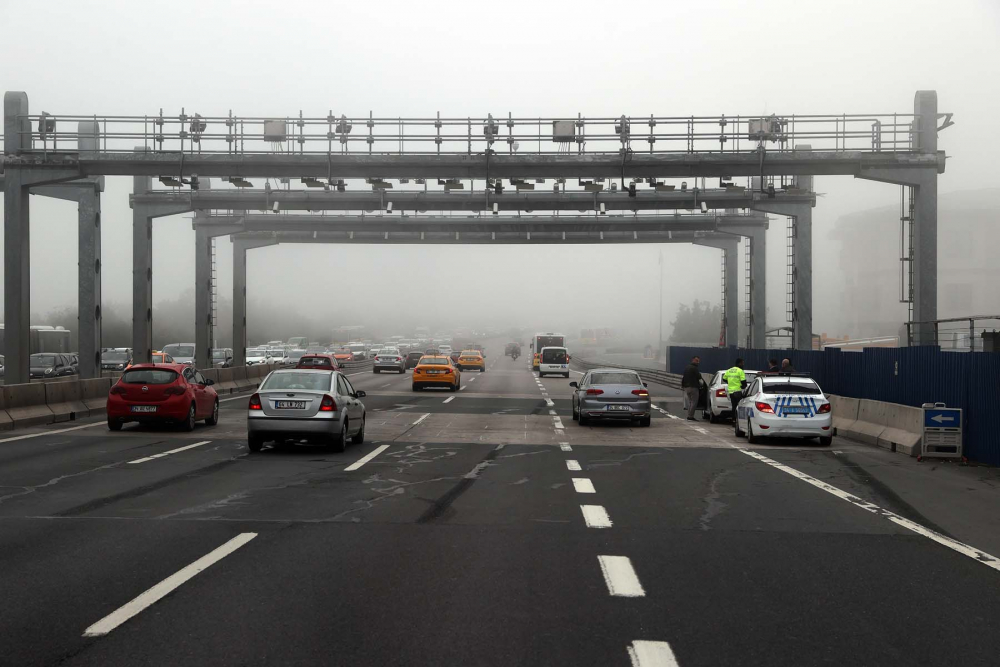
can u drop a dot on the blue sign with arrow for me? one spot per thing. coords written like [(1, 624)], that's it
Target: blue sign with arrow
[(942, 418)]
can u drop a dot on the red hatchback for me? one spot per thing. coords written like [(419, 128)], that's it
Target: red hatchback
[(162, 393), (323, 362)]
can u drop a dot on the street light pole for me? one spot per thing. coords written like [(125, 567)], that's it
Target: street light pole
[(659, 347)]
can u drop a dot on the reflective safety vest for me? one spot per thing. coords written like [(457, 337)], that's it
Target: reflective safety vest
[(734, 377)]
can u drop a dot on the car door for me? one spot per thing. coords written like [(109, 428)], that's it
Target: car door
[(344, 397), (748, 399), (358, 406), (206, 397), (580, 388), (199, 392)]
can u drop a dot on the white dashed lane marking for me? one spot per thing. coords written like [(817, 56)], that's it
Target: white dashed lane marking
[(172, 451), (620, 577), (573, 465), (565, 447), (595, 516), (644, 653), (583, 485), (365, 459)]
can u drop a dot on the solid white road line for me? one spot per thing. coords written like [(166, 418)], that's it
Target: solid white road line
[(583, 485), (58, 430), (620, 577), (165, 587), (172, 451), (565, 447), (964, 549), (423, 417), (449, 399), (236, 398), (595, 516), (366, 458), (573, 465), (651, 654)]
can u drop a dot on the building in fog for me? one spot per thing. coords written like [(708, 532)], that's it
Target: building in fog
[(968, 268)]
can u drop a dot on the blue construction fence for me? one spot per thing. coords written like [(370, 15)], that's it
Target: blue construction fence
[(906, 375)]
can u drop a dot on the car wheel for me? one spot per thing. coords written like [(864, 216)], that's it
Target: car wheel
[(576, 413), (583, 419), (214, 419), (712, 419), (114, 425), (255, 443), (338, 443), (751, 438), (375, 370), (453, 388), (739, 433), (645, 421), (189, 422), (359, 437), (417, 387), (825, 440)]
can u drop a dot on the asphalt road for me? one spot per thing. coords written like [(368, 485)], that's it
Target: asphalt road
[(469, 538)]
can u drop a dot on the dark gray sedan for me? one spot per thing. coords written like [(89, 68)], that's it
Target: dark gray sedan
[(611, 393)]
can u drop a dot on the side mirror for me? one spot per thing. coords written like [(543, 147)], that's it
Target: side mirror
[(209, 383), (574, 384), (360, 394), (645, 384)]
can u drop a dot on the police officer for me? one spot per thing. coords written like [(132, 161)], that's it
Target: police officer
[(735, 379)]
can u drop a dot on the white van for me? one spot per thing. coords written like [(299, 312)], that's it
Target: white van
[(553, 361)]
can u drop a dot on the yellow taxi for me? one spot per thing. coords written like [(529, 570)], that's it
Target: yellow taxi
[(436, 371), (471, 359)]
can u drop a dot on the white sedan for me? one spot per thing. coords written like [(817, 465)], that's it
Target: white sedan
[(784, 406), (719, 403)]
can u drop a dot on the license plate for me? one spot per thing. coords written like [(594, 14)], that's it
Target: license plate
[(619, 407), (290, 405), (435, 372), (795, 411), (143, 408)]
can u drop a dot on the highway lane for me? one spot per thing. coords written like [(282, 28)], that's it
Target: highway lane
[(464, 540)]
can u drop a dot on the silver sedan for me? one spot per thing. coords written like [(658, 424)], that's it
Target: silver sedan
[(314, 405), (611, 393)]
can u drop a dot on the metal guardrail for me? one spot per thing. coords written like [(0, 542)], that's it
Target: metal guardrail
[(671, 380)]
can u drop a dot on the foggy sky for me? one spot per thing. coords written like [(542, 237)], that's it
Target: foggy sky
[(531, 59)]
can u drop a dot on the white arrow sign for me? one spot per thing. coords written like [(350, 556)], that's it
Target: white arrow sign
[(940, 419)]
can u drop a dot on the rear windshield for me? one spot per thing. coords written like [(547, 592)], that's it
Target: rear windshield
[(553, 356), (440, 361), (149, 376), (307, 381), (43, 359), (415, 355), (179, 350), (114, 356), (790, 388), (614, 378), (315, 361), (388, 350)]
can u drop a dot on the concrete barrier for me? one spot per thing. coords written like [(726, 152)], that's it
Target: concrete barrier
[(225, 384), (6, 423), (904, 428), (25, 404), (94, 394), (869, 424), (211, 374), (65, 402), (240, 377), (844, 411)]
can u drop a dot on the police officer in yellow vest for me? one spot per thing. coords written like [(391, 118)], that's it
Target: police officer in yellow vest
[(735, 380)]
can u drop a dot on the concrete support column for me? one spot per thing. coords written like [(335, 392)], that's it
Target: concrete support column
[(17, 264), (730, 248), (142, 275), (758, 288), (802, 313), (239, 303), (89, 282), (203, 334), (925, 233)]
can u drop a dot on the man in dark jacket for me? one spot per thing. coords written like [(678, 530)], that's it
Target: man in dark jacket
[(691, 384), (772, 366)]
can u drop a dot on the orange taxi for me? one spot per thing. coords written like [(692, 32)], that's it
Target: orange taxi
[(471, 359), (436, 371), (343, 354), (157, 357)]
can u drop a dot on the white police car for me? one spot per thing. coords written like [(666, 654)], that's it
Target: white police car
[(784, 405)]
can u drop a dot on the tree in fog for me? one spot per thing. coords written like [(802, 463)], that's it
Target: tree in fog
[(698, 323)]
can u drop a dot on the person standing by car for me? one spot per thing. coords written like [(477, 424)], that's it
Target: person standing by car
[(772, 366), (691, 384), (786, 366), (735, 378)]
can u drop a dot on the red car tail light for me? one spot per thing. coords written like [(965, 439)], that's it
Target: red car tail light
[(640, 392), (720, 393), (328, 404), (118, 390), (594, 392), (763, 407), (376, 358), (823, 409), (174, 390), (447, 371), (255, 403)]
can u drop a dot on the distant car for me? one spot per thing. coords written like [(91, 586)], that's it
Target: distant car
[(293, 357), (343, 354), (436, 371), (258, 355), (554, 361), (719, 406), (117, 359), (508, 348), (789, 405), (162, 393), (389, 359), (445, 349), (319, 361), (611, 393), (278, 355), (74, 361), (3, 364), (222, 357), (432, 351), (315, 405), (182, 353), (155, 357), (50, 365), (412, 358), (471, 360)]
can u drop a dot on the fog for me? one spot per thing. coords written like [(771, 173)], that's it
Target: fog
[(531, 59)]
